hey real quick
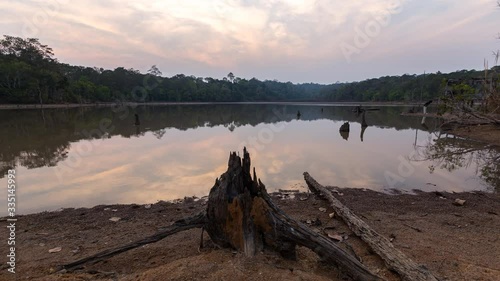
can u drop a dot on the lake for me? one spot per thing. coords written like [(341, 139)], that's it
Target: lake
[(82, 157)]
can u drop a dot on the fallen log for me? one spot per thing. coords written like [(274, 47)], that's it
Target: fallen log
[(195, 221), (393, 258)]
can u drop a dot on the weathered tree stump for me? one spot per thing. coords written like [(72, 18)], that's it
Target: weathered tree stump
[(241, 215)]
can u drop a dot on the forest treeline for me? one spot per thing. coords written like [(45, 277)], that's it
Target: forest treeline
[(30, 73)]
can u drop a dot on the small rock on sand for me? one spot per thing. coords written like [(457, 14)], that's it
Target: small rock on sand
[(55, 250)]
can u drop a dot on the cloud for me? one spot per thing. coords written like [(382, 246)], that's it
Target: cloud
[(255, 38)]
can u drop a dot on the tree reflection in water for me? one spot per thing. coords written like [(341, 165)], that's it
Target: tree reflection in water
[(33, 139), (451, 153), (42, 138)]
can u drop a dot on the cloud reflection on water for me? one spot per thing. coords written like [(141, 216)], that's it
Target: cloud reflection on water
[(147, 168)]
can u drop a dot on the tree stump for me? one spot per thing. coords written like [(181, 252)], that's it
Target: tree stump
[(242, 216)]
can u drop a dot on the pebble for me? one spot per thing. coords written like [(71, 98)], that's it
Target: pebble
[(55, 250)]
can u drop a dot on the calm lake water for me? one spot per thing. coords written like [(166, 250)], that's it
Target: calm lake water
[(82, 157)]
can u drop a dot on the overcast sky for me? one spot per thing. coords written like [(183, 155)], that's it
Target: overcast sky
[(289, 40)]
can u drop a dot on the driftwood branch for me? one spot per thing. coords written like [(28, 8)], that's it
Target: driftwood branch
[(184, 224), (296, 232), (393, 258)]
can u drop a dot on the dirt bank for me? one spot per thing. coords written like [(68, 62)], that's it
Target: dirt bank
[(454, 242)]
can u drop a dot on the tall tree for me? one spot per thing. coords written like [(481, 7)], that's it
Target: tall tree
[(29, 70), (230, 77), (154, 71)]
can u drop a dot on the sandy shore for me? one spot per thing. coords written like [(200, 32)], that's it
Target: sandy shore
[(454, 242)]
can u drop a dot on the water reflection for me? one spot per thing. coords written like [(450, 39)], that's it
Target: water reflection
[(27, 142), (363, 129), (451, 153), (364, 125), (90, 156), (344, 130)]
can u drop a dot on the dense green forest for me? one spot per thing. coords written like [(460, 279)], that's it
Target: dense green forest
[(400, 88), (30, 73)]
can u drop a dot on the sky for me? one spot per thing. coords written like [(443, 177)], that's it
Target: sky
[(289, 40)]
